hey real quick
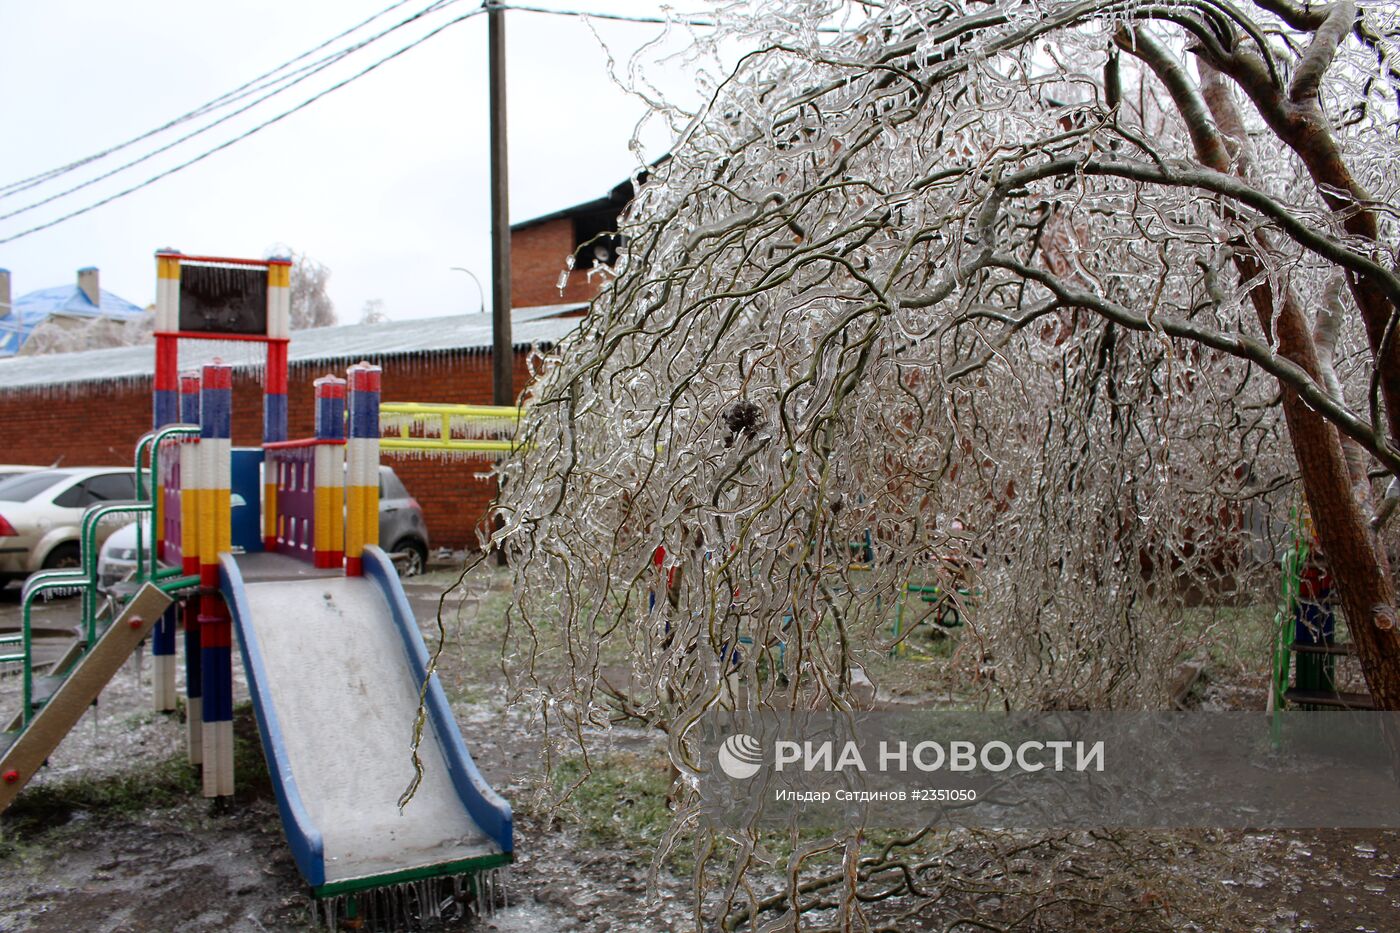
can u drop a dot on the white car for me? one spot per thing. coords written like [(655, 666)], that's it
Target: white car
[(41, 513), (14, 469), (117, 559)]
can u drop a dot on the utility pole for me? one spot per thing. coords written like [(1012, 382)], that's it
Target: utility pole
[(502, 353)]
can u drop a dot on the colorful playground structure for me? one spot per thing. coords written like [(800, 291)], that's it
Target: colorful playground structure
[(334, 661)]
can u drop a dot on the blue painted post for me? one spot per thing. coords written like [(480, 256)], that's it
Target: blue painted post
[(215, 628)]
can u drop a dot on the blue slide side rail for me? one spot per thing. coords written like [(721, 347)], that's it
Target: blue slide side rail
[(308, 848), (487, 808)]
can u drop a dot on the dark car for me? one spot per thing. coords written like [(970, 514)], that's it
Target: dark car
[(402, 530)]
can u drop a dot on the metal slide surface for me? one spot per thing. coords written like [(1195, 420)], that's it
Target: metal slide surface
[(334, 666)]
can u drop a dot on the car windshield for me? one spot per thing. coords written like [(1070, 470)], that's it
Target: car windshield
[(26, 486)]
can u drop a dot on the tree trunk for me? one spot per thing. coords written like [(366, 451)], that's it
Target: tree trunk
[(1339, 509)]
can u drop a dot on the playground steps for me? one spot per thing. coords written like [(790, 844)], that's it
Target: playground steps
[(1345, 648), (46, 685), (27, 748), (1309, 695), (1329, 698)]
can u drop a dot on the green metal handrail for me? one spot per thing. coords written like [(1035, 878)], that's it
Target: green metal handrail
[(47, 580), (141, 495), (141, 446), (15, 639), (37, 583), (87, 550), (169, 579), (85, 577), (177, 582)]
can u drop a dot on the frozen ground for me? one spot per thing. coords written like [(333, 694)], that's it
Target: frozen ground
[(114, 837)]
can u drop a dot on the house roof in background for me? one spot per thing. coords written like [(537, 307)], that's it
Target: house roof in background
[(32, 309), (611, 203), (544, 325), (70, 299)]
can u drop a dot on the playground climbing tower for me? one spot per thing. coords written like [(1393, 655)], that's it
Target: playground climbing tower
[(220, 299), (315, 604)]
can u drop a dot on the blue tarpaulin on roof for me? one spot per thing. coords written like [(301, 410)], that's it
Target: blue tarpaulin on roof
[(35, 308)]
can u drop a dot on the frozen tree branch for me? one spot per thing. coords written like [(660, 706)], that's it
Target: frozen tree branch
[(952, 289), (1307, 77)]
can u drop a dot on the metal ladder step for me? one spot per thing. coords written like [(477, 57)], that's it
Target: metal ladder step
[(1343, 648), (1329, 698), (45, 686)]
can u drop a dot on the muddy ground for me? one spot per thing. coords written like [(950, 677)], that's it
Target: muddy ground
[(113, 836)]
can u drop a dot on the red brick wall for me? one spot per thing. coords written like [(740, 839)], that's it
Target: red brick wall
[(99, 425), (537, 255)]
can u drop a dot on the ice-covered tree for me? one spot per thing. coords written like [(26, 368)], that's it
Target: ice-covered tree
[(311, 303), (1063, 298)]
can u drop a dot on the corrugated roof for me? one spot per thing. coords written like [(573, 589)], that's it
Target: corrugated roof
[(32, 309), (466, 332)]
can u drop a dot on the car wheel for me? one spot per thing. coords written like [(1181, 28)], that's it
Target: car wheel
[(64, 557), (417, 561)]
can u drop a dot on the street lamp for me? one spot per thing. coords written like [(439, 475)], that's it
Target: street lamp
[(481, 292)]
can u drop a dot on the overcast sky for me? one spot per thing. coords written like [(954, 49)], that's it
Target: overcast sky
[(384, 181)]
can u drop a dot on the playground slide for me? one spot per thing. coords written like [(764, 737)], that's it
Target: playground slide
[(334, 666)]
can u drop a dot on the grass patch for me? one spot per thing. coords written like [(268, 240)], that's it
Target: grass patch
[(45, 806), (142, 718), (1238, 639), (126, 793), (251, 780), (621, 800), (441, 579)]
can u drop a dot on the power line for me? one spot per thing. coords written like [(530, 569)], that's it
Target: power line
[(624, 18), (251, 86), (287, 81), (616, 17), (270, 79), (305, 73), (244, 135)]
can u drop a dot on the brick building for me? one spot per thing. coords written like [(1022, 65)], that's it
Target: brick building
[(90, 408), (540, 247)]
